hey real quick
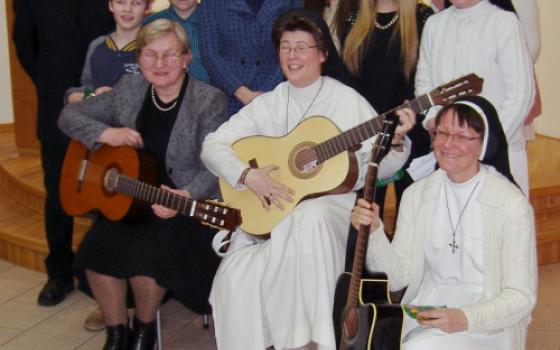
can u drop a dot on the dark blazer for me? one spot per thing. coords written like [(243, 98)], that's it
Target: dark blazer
[(51, 39), (202, 110), (236, 45)]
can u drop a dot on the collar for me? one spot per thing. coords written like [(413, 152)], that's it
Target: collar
[(192, 18), (131, 46), (306, 92), (491, 192), (473, 11)]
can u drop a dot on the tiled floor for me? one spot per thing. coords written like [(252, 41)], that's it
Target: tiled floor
[(24, 325)]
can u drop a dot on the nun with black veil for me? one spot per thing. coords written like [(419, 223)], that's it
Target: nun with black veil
[(464, 241)]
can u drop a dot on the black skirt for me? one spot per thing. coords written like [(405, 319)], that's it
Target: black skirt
[(176, 252)]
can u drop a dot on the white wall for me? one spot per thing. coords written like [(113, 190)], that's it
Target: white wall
[(6, 108), (548, 69)]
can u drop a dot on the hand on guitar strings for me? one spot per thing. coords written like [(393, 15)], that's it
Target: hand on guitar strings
[(448, 320), (267, 190), (166, 213), (407, 119), (120, 137), (365, 213)]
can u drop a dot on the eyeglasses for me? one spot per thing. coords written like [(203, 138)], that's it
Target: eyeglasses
[(300, 48), (441, 136), (151, 58)]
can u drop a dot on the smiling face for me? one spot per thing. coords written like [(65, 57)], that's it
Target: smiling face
[(456, 147), (163, 62), (128, 14), (304, 67)]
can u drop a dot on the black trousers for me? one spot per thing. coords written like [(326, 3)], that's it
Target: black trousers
[(58, 225)]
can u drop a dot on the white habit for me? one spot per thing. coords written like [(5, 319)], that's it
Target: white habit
[(280, 292), (489, 42)]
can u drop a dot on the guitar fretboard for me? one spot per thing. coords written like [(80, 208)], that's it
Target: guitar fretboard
[(152, 194), (358, 134), (362, 238)]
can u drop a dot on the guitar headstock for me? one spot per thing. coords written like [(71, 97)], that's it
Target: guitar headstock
[(218, 215), (467, 85)]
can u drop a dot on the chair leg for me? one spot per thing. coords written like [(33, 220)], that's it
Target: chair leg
[(205, 323), (158, 331)]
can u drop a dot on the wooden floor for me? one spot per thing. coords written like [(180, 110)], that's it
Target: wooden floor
[(22, 236)]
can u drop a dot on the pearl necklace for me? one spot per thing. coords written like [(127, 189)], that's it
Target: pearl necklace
[(388, 25), (154, 100)]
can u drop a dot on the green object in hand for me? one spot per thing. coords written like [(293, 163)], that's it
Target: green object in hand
[(88, 92), (413, 310)]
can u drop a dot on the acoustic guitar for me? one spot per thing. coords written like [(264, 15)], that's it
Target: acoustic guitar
[(315, 159), (372, 322), (118, 181)]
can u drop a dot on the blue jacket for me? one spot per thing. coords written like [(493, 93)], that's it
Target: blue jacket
[(236, 45)]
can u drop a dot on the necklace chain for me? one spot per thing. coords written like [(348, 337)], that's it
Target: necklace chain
[(388, 25), (453, 243), (154, 100), (307, 109)]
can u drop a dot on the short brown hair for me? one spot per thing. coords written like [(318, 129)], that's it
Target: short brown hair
[(298, 20)]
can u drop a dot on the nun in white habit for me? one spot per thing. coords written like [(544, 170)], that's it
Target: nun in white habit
[(464, 242), (279, 292)]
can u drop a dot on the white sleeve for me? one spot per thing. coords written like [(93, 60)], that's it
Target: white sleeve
[(516, 71), (424, 80)]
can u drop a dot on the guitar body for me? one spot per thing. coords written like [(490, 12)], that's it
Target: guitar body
[(379, 322), (336, 175), (83, 175)]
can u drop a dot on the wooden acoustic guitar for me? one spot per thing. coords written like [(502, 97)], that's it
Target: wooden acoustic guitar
[(314, 159), (372, 322), (118, 181)]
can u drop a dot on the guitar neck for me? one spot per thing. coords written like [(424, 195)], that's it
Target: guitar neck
[(141, 190), (379, 149), (362, 240), (358, 134)]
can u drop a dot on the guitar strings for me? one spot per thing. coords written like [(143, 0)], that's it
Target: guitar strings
[(337, 144)]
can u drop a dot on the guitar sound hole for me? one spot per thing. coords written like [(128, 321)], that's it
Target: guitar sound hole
[(111, 179), (303, 161), (306, 160)]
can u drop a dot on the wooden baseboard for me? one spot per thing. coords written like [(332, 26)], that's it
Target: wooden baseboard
[(546, 137), (7, 127)]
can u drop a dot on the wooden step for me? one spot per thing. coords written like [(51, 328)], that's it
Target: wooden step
[(22, 234)]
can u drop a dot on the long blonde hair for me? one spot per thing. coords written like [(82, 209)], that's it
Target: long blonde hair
[(363, 29)]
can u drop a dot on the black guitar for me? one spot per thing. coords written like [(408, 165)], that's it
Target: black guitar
[(364, 317)]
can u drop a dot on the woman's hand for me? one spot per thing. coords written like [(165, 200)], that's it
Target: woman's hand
[(365, 213), (120, 137), (448, 320), (407, 120), (267, 190), (166, 213), (245, 95), (75, 97), (102, 89)]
